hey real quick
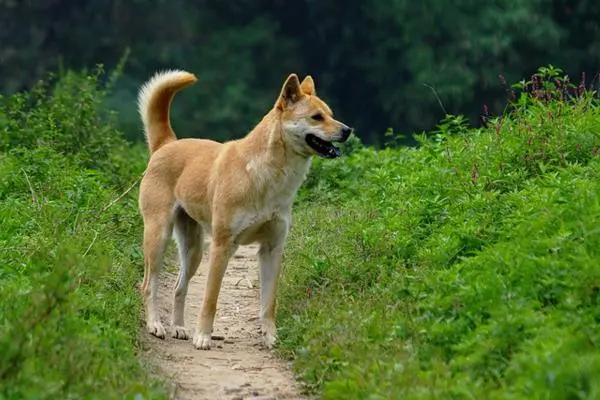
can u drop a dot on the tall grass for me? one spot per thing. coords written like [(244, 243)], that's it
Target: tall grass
[(464, 268), (69, 259)]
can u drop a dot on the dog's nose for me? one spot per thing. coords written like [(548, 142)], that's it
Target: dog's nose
[(346, 131)]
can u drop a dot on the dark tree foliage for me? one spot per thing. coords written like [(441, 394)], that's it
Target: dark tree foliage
[(399, 64)]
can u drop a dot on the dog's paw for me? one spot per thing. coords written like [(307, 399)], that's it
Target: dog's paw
[(269, 333), (202, 341), (269, 340), (156, 329), (179, 332)]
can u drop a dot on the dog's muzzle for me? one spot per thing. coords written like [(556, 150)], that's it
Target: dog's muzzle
[(325, 148)]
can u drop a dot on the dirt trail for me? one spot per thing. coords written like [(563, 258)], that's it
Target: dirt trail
[(236, 367)]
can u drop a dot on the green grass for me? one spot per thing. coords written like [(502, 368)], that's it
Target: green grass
[(466, 268), (69, 263)]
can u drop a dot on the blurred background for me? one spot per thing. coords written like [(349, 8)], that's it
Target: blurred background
[(399, 64)]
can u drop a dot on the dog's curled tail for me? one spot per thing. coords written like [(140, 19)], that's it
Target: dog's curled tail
[(154, 103)]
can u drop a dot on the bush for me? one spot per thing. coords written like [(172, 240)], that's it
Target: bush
[(464, 268), (70, 314)]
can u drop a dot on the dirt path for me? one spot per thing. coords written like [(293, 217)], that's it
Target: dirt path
[(236, 367)]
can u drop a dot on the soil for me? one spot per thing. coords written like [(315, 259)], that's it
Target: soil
[(237, 367)]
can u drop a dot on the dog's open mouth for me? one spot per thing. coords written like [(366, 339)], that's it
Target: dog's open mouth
[(323, 148)]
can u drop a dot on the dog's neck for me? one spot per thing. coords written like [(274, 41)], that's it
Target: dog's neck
[(268, 136), (277, 162)]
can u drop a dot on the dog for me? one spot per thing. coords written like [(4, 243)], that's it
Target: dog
[(239, 192)]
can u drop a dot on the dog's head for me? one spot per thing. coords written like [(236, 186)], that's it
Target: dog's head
[(307, 121)]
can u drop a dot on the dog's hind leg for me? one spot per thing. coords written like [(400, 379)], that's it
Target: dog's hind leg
[(157, 232), (189, 237), (221, 250)]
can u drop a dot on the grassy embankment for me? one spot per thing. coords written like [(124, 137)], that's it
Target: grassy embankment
[(70, 255), (466, 268)]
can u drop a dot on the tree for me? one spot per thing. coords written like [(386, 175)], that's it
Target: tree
[(379, 64)]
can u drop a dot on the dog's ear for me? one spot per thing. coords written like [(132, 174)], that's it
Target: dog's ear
[(308, 86), (290, 93)]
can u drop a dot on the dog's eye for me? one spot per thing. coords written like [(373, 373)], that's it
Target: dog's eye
[(317, 117)]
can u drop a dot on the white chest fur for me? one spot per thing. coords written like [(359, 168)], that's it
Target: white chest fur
[(277, 188)]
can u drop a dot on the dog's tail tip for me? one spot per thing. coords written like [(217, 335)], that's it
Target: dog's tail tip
[(176, 76), (174, 79)]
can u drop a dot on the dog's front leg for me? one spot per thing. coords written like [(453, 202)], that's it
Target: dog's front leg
[(270, 257), (220, 253), (270, 266)]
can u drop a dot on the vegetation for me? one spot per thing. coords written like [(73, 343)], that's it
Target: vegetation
[(374, 61), (466, 268), (70, 259)]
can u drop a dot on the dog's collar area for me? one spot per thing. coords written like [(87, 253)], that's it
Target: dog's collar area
[(322, 147)]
